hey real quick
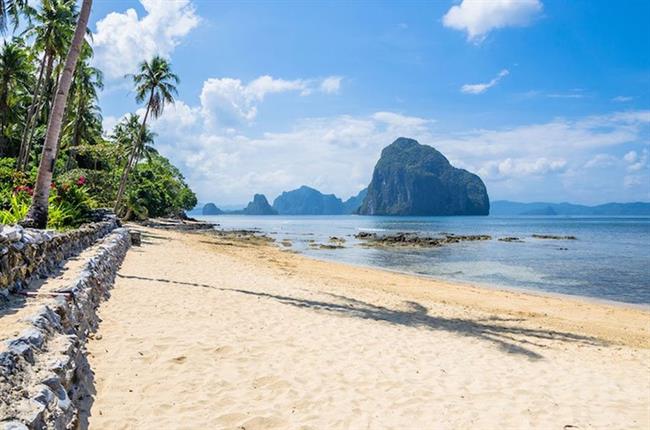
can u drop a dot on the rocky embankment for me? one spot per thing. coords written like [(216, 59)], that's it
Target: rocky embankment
[(45, 380)]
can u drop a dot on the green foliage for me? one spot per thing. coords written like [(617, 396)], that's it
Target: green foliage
[(30, 63), (158, 187)]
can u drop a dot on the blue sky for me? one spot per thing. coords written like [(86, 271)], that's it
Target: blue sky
[(545, 100)]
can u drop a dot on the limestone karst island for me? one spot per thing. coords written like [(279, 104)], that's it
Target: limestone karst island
[(324, 215)]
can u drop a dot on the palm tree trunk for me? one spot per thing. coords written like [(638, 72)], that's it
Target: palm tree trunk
[(132, 159), (31, 111), (37, 214)]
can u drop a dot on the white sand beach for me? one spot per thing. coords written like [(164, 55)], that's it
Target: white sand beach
[(203, 332)]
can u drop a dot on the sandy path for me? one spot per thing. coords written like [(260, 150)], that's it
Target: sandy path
[(204, 333)]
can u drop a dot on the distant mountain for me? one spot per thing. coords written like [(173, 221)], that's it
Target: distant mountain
[(414, 179), (307, 201), (504, 207), (211, 209), (258, 206), (352, 205)]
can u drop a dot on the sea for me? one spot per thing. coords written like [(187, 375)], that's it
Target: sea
[(610, 258)]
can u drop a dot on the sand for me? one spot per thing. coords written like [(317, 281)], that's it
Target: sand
[(206, 333)]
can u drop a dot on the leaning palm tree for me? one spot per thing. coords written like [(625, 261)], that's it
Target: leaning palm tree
[(156, 84), (53, 27), (37, 214)]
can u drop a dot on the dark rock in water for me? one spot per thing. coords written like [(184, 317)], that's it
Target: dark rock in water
[(352, 205), (307, 201), (510, 239), (415, 240), (554, 237), (259, 206), (211, 209), (414, 179)]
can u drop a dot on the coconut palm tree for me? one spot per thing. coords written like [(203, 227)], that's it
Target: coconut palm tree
[(83, 123), (37, 214), (52, 31), (156, 84), (10, 10), (15, 75)]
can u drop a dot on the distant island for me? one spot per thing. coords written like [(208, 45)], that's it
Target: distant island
[(415, 179), (411, 179), (504, 207), (309, 201)]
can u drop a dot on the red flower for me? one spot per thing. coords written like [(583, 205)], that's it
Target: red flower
[(81, 181), (24, 189), (52, 185)]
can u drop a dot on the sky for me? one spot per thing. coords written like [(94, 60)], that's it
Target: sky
[(546, 100)]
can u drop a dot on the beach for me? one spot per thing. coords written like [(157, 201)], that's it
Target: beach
[(208, 331)]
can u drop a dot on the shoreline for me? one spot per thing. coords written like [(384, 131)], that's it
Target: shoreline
[(488, 286), (216, 330)]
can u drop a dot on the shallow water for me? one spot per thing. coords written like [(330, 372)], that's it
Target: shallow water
[(610, 260)]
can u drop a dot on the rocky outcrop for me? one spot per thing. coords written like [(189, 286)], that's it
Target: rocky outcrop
[(211, 209), (415, 240), (259, 206), (45, 380), (414, 179), (307, 201)]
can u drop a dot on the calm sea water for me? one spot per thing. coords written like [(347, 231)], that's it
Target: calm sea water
[(610, 260)]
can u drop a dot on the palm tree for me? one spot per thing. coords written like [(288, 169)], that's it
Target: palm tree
[(129, 139), (83, 119), (52, 31), (156, 84), (15, 75), (10, 10), (37, 214)]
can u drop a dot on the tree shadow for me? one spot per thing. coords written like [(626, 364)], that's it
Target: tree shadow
[(511, 338)]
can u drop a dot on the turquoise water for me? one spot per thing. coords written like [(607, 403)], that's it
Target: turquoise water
[(610, 260)]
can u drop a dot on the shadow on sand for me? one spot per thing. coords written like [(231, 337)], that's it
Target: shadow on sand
[(510, 338)]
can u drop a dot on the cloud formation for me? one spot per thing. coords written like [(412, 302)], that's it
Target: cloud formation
[(481, 88), (478, 17), (123, 40), (561, 159), (229, 102)]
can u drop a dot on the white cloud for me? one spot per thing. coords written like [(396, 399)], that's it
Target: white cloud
[(601, 160), (331, 84), (622, 99), (481, 88), (479, 17), (548, 160), (123, 40), (229, 102), (637, 162)]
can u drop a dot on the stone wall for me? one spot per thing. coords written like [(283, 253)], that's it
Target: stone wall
[(45, 380), (28, 253)]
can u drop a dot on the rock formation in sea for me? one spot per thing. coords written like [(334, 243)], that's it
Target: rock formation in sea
[(259, 206), (211, 209), (414, 179), (307, 201)]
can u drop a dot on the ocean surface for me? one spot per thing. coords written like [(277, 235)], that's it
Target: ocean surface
[(609, 260)]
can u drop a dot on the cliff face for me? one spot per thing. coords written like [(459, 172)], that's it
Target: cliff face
[(211, 209), (307, 201), (352, 205), (259, 206), (414, 179)]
